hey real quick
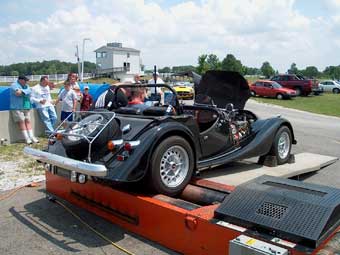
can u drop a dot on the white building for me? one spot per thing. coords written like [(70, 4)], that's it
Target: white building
[(117, 61)]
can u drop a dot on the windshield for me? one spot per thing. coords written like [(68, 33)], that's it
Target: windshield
[(276, 85)]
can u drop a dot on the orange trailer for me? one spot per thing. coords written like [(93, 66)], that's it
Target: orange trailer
[(177, 223)]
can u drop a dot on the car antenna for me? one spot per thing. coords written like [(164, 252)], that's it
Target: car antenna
[(155, 77)]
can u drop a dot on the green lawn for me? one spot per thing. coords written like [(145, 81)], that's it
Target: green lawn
[(328, 104)]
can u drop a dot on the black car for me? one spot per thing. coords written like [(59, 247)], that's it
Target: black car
[(167, 143)]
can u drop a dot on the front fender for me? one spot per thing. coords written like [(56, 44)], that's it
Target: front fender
[(263, 132)]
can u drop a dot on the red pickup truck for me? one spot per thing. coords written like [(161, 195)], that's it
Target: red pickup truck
[(301, 85)]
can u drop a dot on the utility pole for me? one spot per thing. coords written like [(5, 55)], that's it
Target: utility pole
[(78, 59), (82, 66)]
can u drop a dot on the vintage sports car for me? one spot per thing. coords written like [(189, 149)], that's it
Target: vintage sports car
[(166, 145), (184, 92)]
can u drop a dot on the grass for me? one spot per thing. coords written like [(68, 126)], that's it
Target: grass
[(100, 80), (328, 104), (14, 152)]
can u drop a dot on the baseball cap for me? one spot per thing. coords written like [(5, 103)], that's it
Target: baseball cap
[(157, 73), (23, 77), (86, 87)]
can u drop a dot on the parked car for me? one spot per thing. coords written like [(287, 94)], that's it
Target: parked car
[(268, 88), (184, 91), (165, 145), (316, 89), (301, 86), (330, 86)]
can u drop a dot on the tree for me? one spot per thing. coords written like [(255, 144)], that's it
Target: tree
[(213, 62), (165, 70), (14, 73), (310, 72), (251, 71), (267, 70), (230, 63), (293, 69), (202, 64), (333, 72), (178, 69)]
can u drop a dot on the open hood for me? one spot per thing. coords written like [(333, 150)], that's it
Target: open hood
[(222, 88)]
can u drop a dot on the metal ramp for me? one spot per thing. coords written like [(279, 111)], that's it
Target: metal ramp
[(243, 171)]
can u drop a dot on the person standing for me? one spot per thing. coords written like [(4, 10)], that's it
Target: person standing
[(20, 106), (41, 97), (87, 100), (68, 99), (155, 94), (136, 79), (76, 89), (72, 78)]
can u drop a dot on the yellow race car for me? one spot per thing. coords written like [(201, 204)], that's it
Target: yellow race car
[(184, 92)]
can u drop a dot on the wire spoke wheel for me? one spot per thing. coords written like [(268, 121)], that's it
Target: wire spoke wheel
[(284, 144), (174, 166)]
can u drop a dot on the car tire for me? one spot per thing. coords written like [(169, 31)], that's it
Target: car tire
[(171, 177), (279, 96), (253, 93), (282, 145), (336, 91), (298, 91), (90, 125)]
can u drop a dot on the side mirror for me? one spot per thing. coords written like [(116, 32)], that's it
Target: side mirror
[(229, 107)]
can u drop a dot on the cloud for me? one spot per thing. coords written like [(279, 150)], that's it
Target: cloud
[(253, 30)]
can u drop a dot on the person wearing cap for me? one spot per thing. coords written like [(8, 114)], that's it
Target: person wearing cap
[(20, 106), (77, 90), (155, 77), (41, 97), (87, 100)]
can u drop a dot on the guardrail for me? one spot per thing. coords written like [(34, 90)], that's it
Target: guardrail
[(51, 77)]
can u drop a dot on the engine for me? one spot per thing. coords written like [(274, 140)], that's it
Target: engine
[(240, 125)]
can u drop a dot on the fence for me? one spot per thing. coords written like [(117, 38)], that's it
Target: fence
[(51, 77)]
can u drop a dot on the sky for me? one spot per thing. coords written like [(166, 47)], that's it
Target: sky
[(175, 32)]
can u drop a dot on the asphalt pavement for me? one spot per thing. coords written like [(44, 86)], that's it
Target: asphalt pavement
[(30, 224), (314, 133)]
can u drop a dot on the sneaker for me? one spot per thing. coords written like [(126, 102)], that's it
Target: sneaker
[(34, 139), (28, 141)]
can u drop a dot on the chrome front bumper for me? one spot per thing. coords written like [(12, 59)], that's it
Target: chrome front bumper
[(67, 163)]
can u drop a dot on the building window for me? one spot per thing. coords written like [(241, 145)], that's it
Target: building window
[(101, 54), (126, 66)]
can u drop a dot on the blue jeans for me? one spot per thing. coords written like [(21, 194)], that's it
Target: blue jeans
[(48, 116)]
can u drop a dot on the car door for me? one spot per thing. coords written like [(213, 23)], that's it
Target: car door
[(214, 132), (327, 86), (259, 88), (268, 89)]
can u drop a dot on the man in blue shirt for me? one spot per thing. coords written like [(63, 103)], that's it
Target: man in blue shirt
[(20, 106)]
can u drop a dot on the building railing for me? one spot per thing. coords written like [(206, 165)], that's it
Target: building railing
[(112, 70), (51, 77)]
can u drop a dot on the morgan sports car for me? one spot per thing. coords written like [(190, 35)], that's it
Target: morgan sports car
[(165, 143)]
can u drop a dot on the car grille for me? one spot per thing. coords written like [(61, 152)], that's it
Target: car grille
[(183, 93)]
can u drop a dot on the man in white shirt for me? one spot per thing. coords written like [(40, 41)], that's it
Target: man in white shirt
[(155, 94), (41, 97)]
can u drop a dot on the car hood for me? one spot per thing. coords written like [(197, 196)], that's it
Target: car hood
[(222, 88), (183, 88)]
